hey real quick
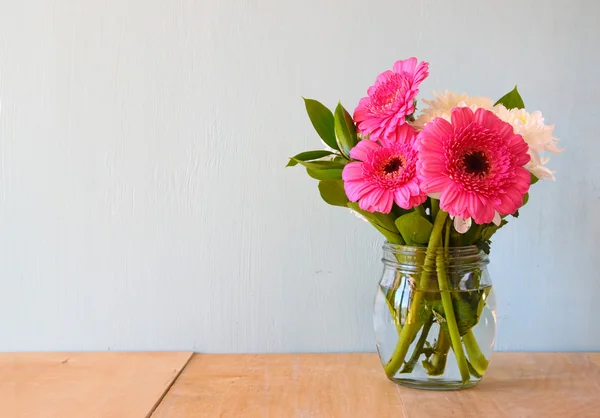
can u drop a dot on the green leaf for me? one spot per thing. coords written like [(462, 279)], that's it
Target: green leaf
[(308, 156), (414, 228), (331, 174), (534, 179), (384, 223), (465, 313), (345, 131), (468, 237), (320, 165), (332, 192), (322, 120), (512, 100), (489, 229)]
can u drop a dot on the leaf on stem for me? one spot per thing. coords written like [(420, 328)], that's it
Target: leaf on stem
[(534, 179), (512, 100), (321, 165), (333, 193), (345, 130), (322, 120), (308, 156), (384, 223), (328, 174), (414, 228)]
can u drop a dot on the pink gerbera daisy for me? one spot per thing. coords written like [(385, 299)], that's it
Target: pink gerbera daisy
[(385, 173), (391, 99), (475, 164)]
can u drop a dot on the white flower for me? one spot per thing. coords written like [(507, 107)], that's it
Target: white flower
[(443, 105), (463, 225), (537, 135)]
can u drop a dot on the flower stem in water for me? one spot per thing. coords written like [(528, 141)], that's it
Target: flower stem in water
[(451, 318), (411, 324)]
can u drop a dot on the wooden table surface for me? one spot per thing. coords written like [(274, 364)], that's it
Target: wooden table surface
[(354, 386), (132, 385), (85, 385)]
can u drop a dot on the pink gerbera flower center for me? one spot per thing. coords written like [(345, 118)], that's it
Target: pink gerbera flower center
[(475, 163), (393, 165), (384, 172), (390, 99), (478, 160), (387, 167)]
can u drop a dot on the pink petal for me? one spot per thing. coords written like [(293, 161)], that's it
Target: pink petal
[(386, 202), (352, 171), (370, 200), (473, 203), (361, 112), (417, 200), (413, 187), (484, 214), (405, 66), (402, 196), (362, 149), (434, 184), (437, 129), (421, 73), (461, 118), (449, 195), (355, 190), (403, 134), (383, 77)]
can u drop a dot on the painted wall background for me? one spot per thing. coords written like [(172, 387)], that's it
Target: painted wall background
[(143, 199)]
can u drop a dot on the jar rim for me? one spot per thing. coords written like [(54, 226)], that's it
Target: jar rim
[(411, 249), (407, 255)]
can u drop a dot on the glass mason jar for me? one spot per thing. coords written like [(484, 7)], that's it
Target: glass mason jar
[(435, 316)]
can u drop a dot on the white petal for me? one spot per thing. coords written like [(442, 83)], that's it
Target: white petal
[(462, 225), (497, 219)]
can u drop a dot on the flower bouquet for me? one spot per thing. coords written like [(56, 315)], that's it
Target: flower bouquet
[(437, 185)]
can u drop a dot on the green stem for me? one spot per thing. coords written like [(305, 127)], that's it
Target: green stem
[(435, 207), (421, 210), (410, 364), (476, 357), (412, 325), (437, 364), (451, 319)]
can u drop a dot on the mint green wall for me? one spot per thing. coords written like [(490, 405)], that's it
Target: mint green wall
[(143, 200)]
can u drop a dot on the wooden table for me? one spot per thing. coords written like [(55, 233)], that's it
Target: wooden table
[(132, 385), (85, 385), (353, 386)]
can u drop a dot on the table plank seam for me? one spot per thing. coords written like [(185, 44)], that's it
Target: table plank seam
[(173, 380)]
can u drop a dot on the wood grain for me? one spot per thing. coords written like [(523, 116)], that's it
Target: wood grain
[(519, 385), (353, 385), (594, 357), (307, 385), (90, 385)]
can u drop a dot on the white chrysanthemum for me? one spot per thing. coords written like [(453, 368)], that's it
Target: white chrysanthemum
[(444, 103), (537, 135)]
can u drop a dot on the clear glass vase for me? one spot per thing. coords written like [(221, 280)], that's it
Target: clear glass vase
[(435, 316)]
